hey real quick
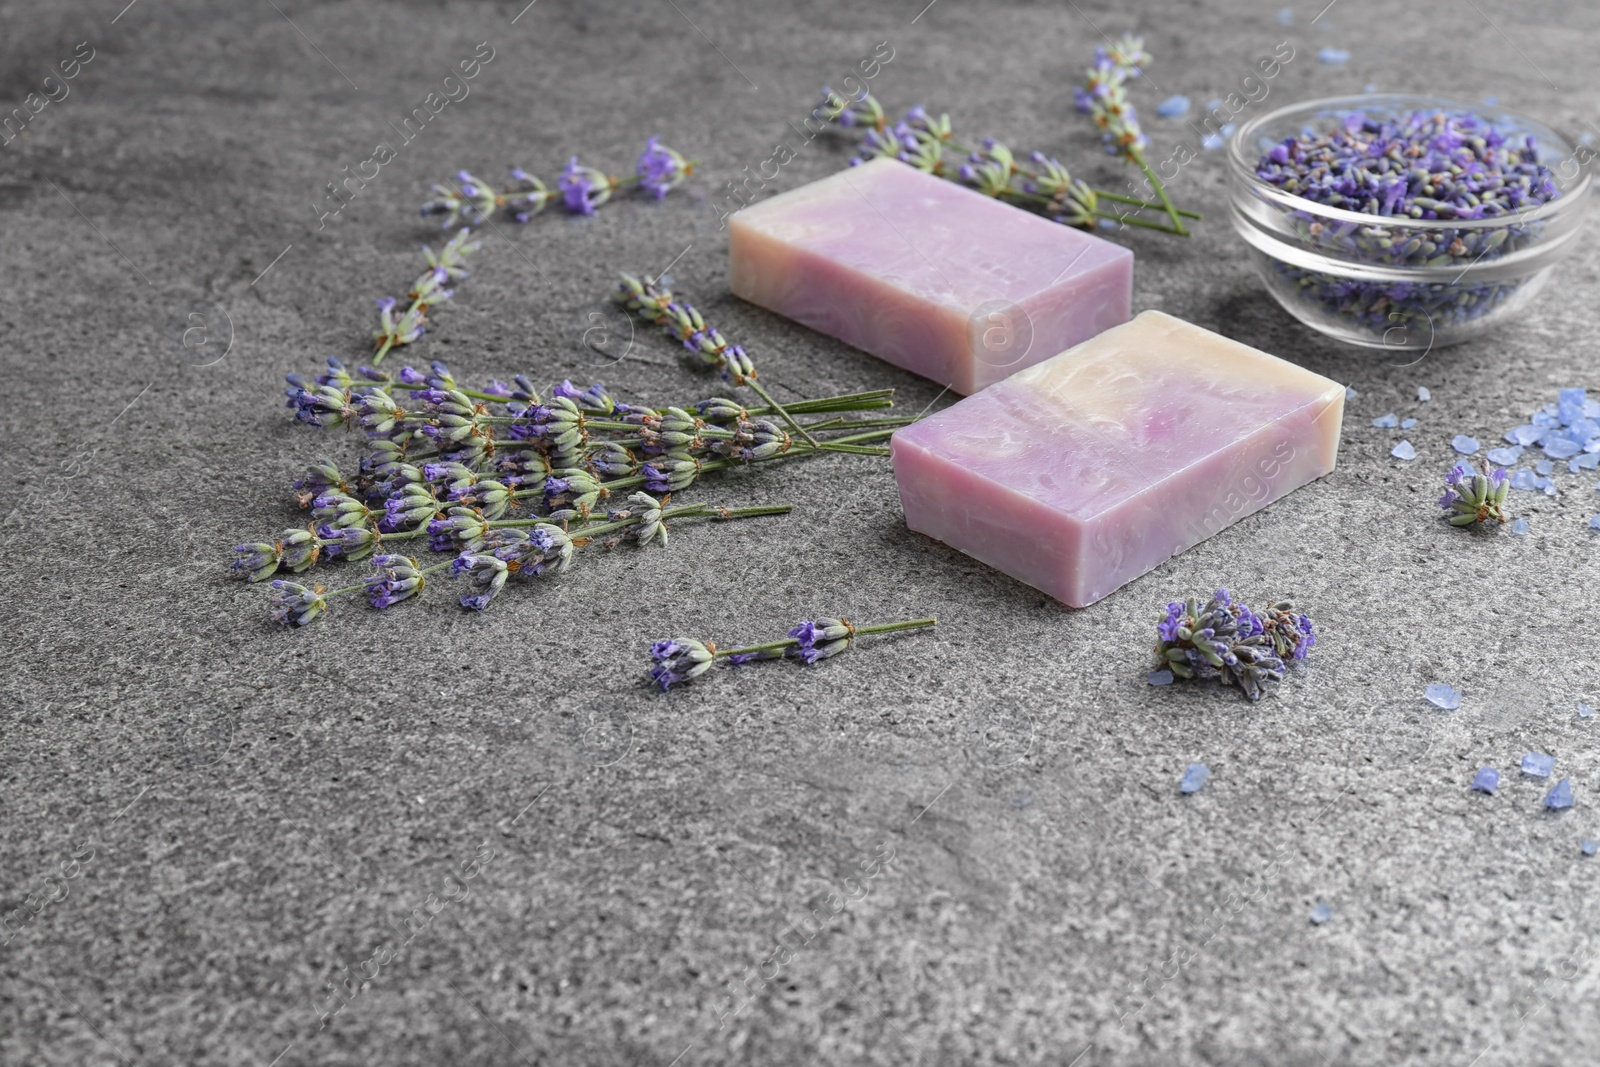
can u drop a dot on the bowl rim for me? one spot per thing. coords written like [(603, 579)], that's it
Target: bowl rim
[(1574, 199)]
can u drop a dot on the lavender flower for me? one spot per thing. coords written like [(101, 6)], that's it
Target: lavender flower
[(1231, 641), (1474, 498), (350, 542), (650, 527), (393, 579), (258, 561), (661, 169), (292, 604), (819, 639), (680, 659), (486, 574), (583, 188)]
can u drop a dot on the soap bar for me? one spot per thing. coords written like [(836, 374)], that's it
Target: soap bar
[(927, 274), (1080, 474)]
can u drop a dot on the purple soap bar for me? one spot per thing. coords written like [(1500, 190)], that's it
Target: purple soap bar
[(929, 275), (1081, 473)]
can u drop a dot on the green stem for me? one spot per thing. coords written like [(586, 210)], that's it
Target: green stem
[(764, 395), (1164, 204), (1161, 190), (1119, 198), (859, 631), (1142, 223)]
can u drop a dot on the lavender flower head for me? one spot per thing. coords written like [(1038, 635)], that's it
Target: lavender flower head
[(818, 639), (1228, 640), (292, 604), (680, 659), (486, 574), (583, 188), (661, 169), (393, 579), (1471, 498)]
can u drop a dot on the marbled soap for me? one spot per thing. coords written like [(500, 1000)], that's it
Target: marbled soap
[(929, 275), (1083, 472)]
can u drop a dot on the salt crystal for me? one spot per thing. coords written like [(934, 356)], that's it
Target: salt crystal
[(1211, 142), (1334, 56), (1590, 847), (1443, 695), (1594, 522), (1519, 527), (1523, 479), (1464, 444), (1487, 780), (1406, 424), (1404, 450), (1286, 16), (1560, 796), (1321, 914), (1194, 777), (1386, 422), (1173, 107), (1523, 435), (1538, 764), (1584, 710), (1544, 466), (1570, 404), (1423, 395), (1562, 448), (1504, 457), (1159, 677), (1350, 392)]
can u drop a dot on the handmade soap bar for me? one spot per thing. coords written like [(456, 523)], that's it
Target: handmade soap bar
[(1081, 473), (929, 275)]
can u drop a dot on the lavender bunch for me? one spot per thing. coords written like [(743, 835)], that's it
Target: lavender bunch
[(487, 554), (581, 189), (652, 301), (1043, 184), (1227, 639), (683, 659), (1104, 98), (1472, 498)]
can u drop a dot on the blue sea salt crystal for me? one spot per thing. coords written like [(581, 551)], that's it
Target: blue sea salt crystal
[(1386, 422), (1211, 142), (1194, 777), (1524, 435), (1464, 444), (1334, 56), (1404, 450), (1406, 424), (1584, 710), (1594, 522), (1159, 677), (1538, 764), (1443, 695), (1590, 847), (1350, 392), (1286, 16), (1173, 107), (1487, 780), (1214, 103), (1548, 485), (1560, 796), (1562, 448), (1423, 395), (1587, 462), (1519, 527), (1504, 457), (1544, 466), (1523, 478), (1569, 405), (1321, 914)]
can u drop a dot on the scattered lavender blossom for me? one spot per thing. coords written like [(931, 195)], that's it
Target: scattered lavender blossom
[(681, 659), (1227, 639)]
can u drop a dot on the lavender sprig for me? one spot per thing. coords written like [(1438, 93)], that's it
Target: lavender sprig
[(651, 300), (682, 659), (580, 189), (1227, 639), (489, 553), (1475, 498), (921, 139), (429, 289), (1104, 98)]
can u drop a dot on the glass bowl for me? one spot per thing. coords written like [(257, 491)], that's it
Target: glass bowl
[(1394, 281)]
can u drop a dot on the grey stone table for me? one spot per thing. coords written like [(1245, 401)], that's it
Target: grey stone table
[(964, 846)]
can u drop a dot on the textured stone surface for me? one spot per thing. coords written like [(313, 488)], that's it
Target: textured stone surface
[(262, 807)]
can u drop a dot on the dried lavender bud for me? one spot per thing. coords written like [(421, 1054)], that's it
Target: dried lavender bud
[(298, 550), (680, 659), (671, 472), (336, 509), (820, 639), (1475, 498), (491, 498), (394, 578), (650, 527), (461, 529), (256, 562), (486, 575), (1229, 639), (575, 487), (348, 542), (292, 604), (611, 460), (413, 504)]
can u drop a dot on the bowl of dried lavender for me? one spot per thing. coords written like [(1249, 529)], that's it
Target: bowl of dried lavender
[(1405, 222)]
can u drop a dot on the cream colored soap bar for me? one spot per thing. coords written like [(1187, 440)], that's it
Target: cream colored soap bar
[(927, 274), (1081, 473)]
